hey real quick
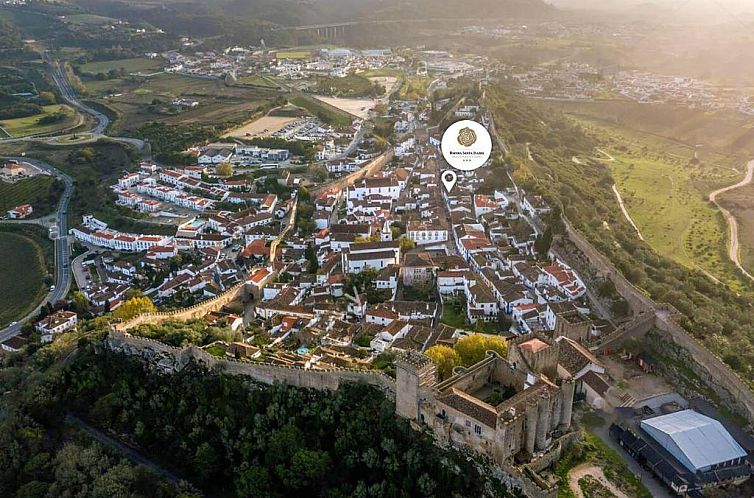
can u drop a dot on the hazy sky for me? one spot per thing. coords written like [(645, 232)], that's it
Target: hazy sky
[(709, 5)]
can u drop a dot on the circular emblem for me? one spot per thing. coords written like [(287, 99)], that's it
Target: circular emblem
[(466, 137), (466, 145)]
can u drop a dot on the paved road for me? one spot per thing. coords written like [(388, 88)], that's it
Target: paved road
[(62, 251), (70, 95), (732, 223), (655, 487), (133, 455)]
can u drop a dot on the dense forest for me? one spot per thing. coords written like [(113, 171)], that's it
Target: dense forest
[(226, 435), (720, 318)]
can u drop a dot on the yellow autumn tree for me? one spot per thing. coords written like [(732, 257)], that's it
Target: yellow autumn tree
[(134, 307), (445, 359), (225, 169), (471, 348)]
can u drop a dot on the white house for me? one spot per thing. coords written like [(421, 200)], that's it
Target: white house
[(55, 323), (357, 257), (427, 232)]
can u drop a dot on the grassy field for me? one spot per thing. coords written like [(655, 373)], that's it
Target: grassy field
[(42, 192), (665, 192), (23, 127), (352, 85), (293, 54), (326, 113), (134, 65), (739, 203), (22, 274), (414, 87), (724, 131), (140, 100), (372, 73), (257, 80)]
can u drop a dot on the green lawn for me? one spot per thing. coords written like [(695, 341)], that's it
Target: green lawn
[(134, 65), (22, 127), (22, 275), (374, 73), (453, 316), (42, 192)]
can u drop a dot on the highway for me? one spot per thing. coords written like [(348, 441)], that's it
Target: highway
[(62, 251)]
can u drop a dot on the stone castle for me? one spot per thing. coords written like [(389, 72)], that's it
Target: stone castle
[(516, 410), (511, 409)]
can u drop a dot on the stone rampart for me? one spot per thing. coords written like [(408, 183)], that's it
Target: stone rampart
[(192, 312)]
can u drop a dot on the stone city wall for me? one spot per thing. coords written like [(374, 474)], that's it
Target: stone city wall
[(171, 359), (716, 375), (191, 313)]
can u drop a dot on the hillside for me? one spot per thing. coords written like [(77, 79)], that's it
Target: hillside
[(296, 12)]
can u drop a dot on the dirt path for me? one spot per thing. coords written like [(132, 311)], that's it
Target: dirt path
[(608, 156), (587, 469), (625, 212), (732, 223)]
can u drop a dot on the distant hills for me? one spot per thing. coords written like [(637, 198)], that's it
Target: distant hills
[(305, 12)]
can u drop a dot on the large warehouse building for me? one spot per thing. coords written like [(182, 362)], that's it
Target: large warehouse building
[(698, 442), (688, 451)]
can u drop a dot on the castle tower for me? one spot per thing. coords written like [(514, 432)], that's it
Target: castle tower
[(412, 372), (544, 407), (532, 417), (567, 387)]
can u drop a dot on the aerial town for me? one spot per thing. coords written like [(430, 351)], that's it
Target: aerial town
[(323, 243)]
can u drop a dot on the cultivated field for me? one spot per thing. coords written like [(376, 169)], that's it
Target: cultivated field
[(23, 127), (262, 127), (22, 273), (358, 107), (42, 192), (134, 65)]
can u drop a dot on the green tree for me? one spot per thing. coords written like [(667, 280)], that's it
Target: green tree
[(80, 303), (543, 242), (319, 173), (46, 98)]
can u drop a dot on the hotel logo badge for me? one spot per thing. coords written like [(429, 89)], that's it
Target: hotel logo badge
[(466, 137), (466, 145)]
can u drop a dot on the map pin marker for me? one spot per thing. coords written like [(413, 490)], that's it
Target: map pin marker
[(449, 179)]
